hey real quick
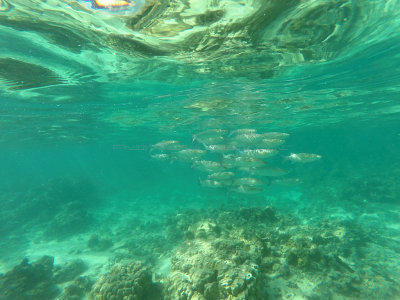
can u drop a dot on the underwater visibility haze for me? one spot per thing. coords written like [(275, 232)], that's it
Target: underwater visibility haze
[(199, 149)]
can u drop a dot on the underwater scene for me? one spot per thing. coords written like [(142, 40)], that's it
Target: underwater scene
[(199, 149)]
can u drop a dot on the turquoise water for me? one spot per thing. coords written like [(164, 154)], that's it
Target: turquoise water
[(103, 197)]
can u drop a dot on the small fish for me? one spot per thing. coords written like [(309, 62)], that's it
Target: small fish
[(234, 161), (209, 135), (208, 166), (190, 154), (246, 139), (221, 176), (214, 183), (275, 135), (228, 160), (167, 145), (248, 181), (247, 189), (303, 157), (251, 162), (259, 153), (269, 172), (161, 156), (211, 140), (288, 182), (270, 143), (242, 131), (219, 148)]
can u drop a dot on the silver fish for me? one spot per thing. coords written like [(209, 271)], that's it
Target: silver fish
[(212, 136), (208, 166), (246, 139), (221, 176), (190, 154), (243, 161), (247, 189), (259, 153), (270, 143), (161, 156), (288, 182), (211, 140), (248, 181), (234, 161), (214, 183), (167, 145), (275, 135), (242, 131), (228, 160), (304, 157), (219, 148)]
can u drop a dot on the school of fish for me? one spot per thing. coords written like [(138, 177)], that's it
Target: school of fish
[(238, 161)]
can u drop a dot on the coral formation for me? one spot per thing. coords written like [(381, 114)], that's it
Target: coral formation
[(255, 253), (69, 271), (29, 281), (60, 207), (218, 260), (378, 187), (220, 254), (125, 282), (206, 270), (73, 218), (77, 289), (97, 243)]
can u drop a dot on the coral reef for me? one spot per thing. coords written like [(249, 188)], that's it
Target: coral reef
[(72, 219), (97, 243), (77, 289), (220, 254), (214, 270), (255, 253), (378, 187), (39, 280), (218, 260), (60, 206), (29, 281), (145, 241), (125, 282), (69, 271)]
